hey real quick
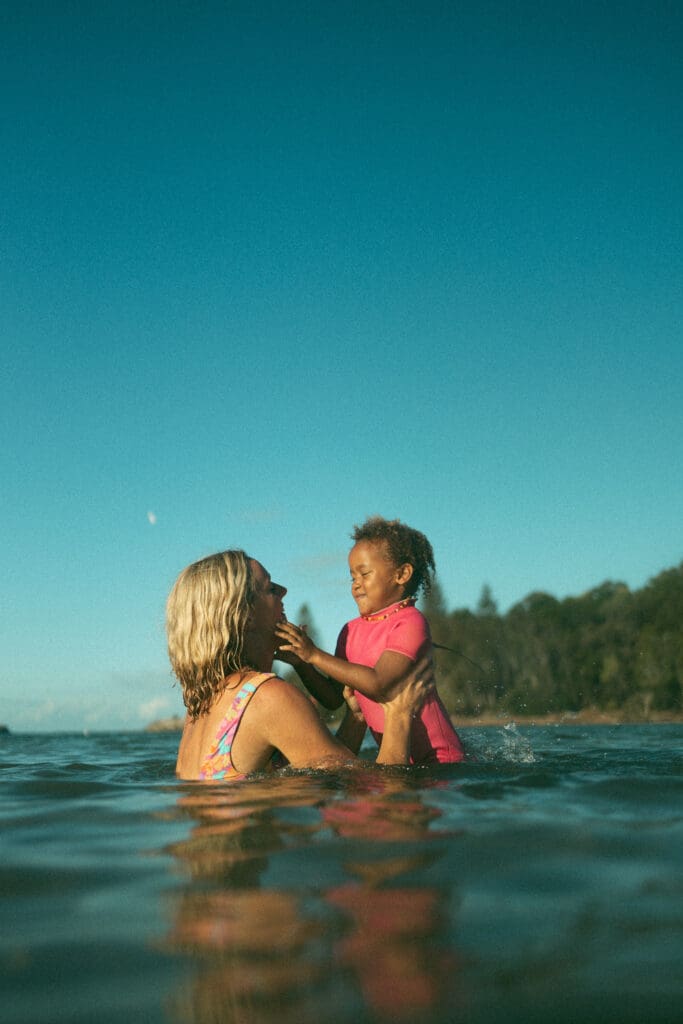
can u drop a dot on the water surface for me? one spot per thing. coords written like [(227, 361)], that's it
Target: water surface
[(539, 881)]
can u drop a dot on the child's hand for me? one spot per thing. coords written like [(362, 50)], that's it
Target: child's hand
[(352, 704), (294, 640), (289, 657)]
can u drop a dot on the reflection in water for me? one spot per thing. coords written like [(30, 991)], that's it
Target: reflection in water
[(401, 970), (248, 944), (369, 940), (393, 944)]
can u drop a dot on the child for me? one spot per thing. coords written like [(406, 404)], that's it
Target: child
[(390, 563)]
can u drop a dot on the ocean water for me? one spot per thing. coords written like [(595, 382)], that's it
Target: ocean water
[(540, 881)]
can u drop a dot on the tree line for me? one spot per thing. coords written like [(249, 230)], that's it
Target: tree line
[(609, 649)]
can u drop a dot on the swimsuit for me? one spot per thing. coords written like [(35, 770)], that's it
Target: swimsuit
[(404, 629), (218, 762)]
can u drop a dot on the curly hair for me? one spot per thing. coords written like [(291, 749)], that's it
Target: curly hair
[(206, 617), (403, 544)]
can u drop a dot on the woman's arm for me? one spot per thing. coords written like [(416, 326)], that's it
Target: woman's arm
[(287, 720), (400, 712)]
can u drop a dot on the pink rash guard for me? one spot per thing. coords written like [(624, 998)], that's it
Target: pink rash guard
[(406, 631)]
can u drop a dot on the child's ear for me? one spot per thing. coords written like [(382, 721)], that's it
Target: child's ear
[(403, 573)]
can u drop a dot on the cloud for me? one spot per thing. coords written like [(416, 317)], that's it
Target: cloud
[(109, 701), (155, 708)]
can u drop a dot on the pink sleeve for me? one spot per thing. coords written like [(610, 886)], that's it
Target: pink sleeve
[(409, 635)]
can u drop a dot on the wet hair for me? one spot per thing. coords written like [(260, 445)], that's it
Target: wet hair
[(206, 618), (403, 544)]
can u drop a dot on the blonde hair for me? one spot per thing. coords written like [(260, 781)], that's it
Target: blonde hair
[(206, 618)]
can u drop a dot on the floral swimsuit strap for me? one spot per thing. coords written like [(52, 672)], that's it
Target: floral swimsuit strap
[(218, 762)]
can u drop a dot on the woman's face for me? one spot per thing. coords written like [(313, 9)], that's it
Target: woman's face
[(268, 609)]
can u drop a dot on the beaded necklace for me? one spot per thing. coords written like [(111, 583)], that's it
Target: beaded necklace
[(407, 602)]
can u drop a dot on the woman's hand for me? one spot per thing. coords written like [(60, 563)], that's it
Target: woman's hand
[(400, 711), (294, 641), (418, 685)]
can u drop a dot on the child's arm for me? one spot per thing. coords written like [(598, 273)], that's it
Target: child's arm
[(378, 683), (327, 691)]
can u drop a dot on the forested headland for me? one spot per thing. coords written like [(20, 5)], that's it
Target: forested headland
[(610, 650)]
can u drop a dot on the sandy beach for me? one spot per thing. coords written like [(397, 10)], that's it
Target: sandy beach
[(587, 716)]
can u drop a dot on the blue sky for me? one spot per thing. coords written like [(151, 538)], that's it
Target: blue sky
[(269, 268)]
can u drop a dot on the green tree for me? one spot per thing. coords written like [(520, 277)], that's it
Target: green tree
[(486, 604)]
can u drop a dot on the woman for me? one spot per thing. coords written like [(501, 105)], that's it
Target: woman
[(221, 621)]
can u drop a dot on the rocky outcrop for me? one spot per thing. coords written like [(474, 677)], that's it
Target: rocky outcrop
[(173, 724)]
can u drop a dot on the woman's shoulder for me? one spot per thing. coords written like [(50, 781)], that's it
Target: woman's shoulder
[(234, 694), (244, 681), (280, 703), (273, 690)]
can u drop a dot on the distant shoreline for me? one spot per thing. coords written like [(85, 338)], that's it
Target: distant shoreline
[(173, 724), (587, 716)]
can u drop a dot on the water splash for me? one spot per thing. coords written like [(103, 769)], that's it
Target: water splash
[(500, 746), (516, 748)]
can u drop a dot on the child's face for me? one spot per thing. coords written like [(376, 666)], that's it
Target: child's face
[(376, 581)]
